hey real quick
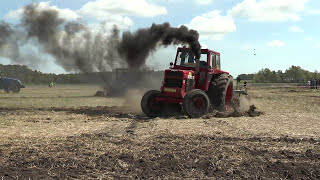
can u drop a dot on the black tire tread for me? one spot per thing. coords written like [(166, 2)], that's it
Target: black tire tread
[(144, 103), (187, 101), (217, 90)]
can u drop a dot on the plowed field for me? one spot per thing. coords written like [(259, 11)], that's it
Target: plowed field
[(65, 132)]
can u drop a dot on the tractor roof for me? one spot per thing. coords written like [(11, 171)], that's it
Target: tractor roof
[(202, 50)]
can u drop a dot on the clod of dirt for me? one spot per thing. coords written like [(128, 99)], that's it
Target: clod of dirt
[(311, 154), (237, 112), (252, 111), (101, 94)]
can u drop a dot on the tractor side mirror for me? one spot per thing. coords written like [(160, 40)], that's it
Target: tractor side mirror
[(171, 63)]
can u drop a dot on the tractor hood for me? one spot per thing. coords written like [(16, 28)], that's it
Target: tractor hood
[(179, 73)]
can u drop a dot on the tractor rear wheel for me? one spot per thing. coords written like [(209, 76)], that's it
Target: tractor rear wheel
[(149, 105), (16, 90), (196, 103), (221, 92), (12, 87)]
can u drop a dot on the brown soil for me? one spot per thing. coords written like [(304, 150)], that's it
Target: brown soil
[(126, 155), (100, 155), (112, 142)]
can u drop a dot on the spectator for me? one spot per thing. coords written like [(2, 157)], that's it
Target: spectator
[(245, 85), (312, 83)]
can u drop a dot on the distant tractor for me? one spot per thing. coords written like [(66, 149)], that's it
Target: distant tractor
[(196, 85), (10, 84)]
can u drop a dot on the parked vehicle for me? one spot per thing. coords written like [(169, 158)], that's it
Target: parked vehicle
[(11, 84)]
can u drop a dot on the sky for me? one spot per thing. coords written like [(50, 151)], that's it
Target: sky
[(281, 33)]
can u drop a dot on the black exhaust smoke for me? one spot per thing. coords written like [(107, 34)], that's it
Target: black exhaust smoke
[(76, 47), (136, 47)]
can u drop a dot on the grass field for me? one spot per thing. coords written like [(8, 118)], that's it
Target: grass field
[(65, 132)]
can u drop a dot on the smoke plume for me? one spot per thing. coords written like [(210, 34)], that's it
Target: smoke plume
[(77, 47), (136, 47)]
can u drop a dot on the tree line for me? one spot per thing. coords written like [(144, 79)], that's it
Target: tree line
[(28, 76), (294, 74)]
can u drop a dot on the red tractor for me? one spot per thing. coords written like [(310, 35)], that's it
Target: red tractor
[(197, 85)]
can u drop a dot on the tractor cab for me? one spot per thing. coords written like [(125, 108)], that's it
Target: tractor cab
[(185, 59), (202, 69)]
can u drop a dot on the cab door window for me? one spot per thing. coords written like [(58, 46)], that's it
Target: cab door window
[(213, 60), (218, 65)]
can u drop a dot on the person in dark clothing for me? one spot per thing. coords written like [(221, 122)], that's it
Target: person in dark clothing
[(312, 84), (245, 85)]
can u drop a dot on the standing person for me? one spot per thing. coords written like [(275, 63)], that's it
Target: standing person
[(245, 85)]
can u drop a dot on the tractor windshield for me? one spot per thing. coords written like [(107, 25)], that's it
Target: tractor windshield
[(187, 59)]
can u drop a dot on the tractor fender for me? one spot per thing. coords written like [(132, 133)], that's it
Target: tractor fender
[(210, 76)]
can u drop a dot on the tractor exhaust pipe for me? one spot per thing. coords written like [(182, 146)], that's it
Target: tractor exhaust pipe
[(197, 66)]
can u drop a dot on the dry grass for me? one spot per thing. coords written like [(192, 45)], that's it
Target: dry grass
[(77, 135), (59, 96)]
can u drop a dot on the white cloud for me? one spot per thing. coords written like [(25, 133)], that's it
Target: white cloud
[(66, 14), (118, 12), (295, 29), (276, 43), (213, 25), (269, 10), (16, 14), (203, 2), (108, 11), (104, 9), (204, 45), (167, 1)]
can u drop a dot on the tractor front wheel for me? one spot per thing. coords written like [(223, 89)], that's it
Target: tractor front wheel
[(196, 103), (149, 105)]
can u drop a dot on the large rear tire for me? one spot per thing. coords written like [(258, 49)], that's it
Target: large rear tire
[(196, 103), (149, 105), (221, 92)]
